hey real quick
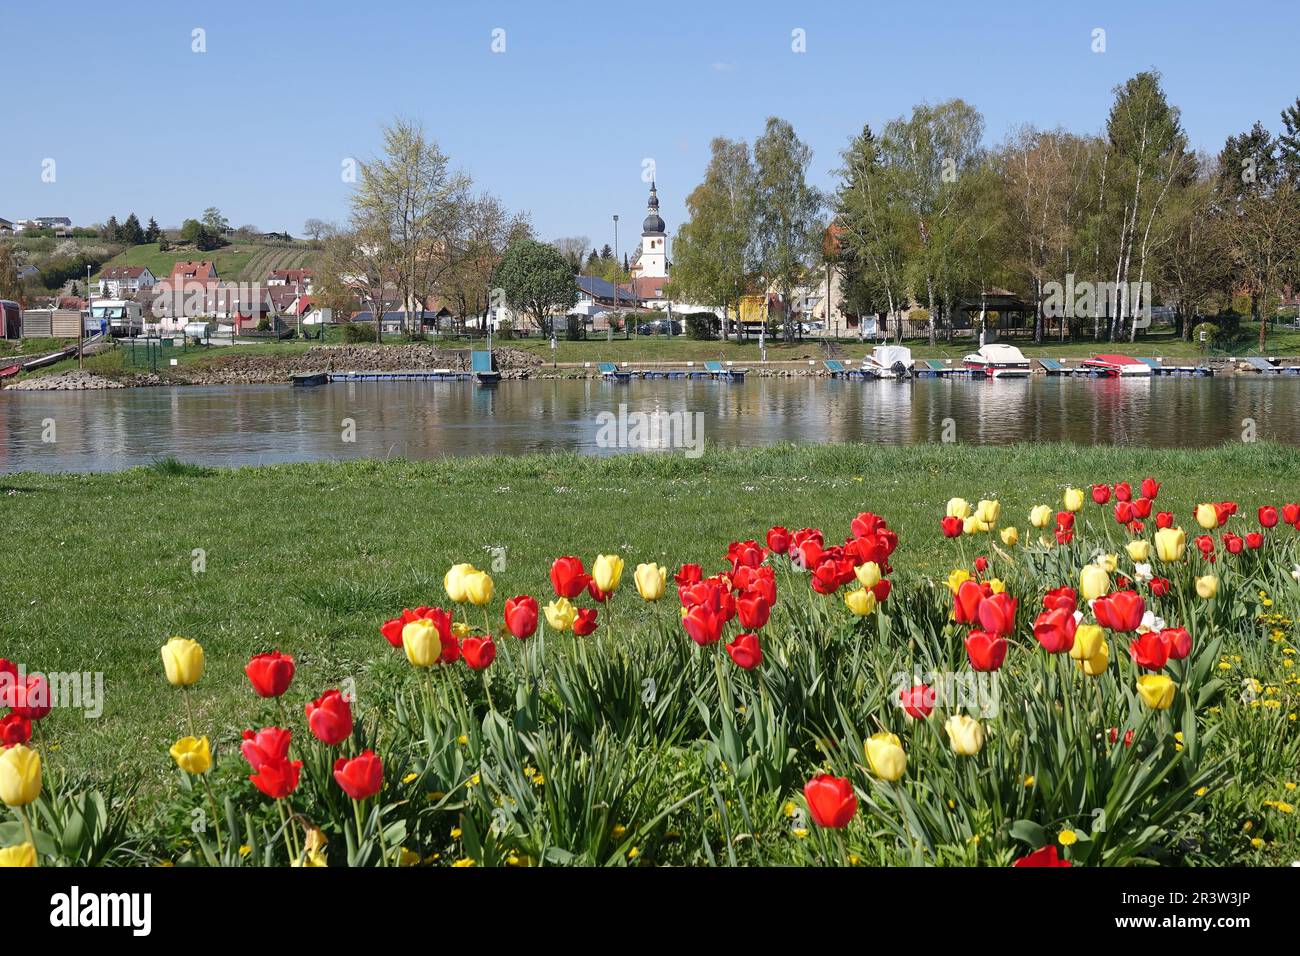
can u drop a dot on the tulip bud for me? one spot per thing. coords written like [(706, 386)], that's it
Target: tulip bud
[(1170, 544), (1207, 516), (422, 642), (1156, 691), (861, 602), (1139, 550), (453, 582), (1073, 499), (1010, 536), (478, 588), (20, 776), (1040, 516), (868, 574), (607, 572), (651, 581), (958, 508), (22, 855), (182, 661), (957, 578), (560, 614), (1088, 641), (965, 735), (1207, 586), (192, 754), (1096, 664), (1093, 582), (988, 511), (885, 756)]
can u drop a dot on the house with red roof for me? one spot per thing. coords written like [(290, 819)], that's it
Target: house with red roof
[(298, 278)]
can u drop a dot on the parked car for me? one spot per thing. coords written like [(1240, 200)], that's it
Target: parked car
[(659, 327)]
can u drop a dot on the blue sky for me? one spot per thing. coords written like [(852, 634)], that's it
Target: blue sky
[(560, 123)]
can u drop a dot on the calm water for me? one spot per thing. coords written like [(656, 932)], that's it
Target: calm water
[(258, 424)]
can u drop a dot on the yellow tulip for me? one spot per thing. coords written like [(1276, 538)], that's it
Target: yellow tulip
[(996, 585), (1093, 582), (956, 578), (422, 643), (1108, 563), (1088, 641), (1139, 551), (868, 574), (1040, 516), (1170, 544), (958, 508), (453, 582), (885, 755), (1207, 517), (1010, 536), (988, 511), (192, 754), (607, 572), (22, 855), (965, 735), (20, 775), (651, 581), (560, 614), (970, 525), (182, 661), (1073, 499), (461, 629), (1156, 691), (1096, 664), (861, 602), (478, 588), (1207, 586)]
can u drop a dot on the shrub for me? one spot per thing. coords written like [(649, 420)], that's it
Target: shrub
[(358, 332), (1206, 335), (701, 325), (505, 329)]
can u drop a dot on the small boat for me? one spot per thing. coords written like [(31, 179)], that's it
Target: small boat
[(1124, 366), (998, 361), (484, 366), (309, 379), (9, 371), (889, 361)]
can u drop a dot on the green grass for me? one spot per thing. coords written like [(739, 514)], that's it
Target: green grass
[(312, 558), (237, 262)]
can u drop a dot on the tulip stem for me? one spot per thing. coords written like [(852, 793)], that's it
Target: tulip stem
[(216, 816), (27, 826)]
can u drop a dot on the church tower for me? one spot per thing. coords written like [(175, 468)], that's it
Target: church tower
[(653, 260)]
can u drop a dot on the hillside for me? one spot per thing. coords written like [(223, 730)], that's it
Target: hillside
[(237, 262)]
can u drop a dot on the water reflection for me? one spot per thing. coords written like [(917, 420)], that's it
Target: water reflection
[(115, 429)]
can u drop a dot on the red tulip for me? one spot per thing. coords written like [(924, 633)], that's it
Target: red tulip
[(1254, 540), (703, 625), (1142, 508), (1113, 736), (270, 674), (1159, 587), (917, 701), (568, 577), (268, 745), (1149, 650), (1233, 543), (480, 652), (1044, 857), (361, 777), (688, 574), (30, 700), (828, 576), (966, 602), (753, 610), (1119, 611), (1291, 513), (997, 614), (761, 580), (1150, 488), (596, 593), (831, 801), (951, 526), (1054, 630), (745, 651), (881, 590), (1164, 519), (986, 651), (807, 553), (585, 622), (1206, 545), (1064, 535), (1124, 491), (14, 730), (1179, 642), (1123, 512), (778, 540), (1268, 516), (521, 616), (981, 564), (745, 554), (277, 778), (1063, 597), (1065, 521), (329, 718), (1101, 494)]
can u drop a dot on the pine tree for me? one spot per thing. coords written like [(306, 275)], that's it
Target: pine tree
[(152, 233), (1288, 143), (131, 232), (112, 231)]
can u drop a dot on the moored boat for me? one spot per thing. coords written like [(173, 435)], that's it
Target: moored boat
[(889, 361), (998, 361), (1122, 365)]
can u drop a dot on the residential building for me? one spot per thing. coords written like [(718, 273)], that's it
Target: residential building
[(296, 278), (121, 281)]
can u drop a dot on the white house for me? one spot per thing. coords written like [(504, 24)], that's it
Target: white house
[(120, 282)]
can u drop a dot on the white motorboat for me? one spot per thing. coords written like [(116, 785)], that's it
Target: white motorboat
[(889, 361), (998, 361)]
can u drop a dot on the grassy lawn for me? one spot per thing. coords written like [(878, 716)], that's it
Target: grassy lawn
[(312, 558), (237, 262)]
